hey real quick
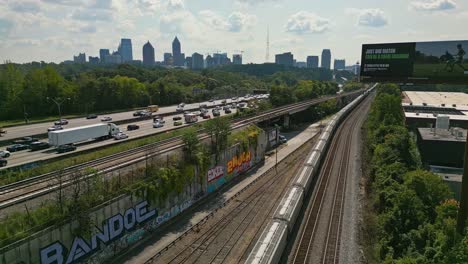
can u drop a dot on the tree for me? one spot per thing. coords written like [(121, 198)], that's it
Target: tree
[(218, 129)]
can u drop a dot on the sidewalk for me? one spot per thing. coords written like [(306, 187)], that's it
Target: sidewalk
[(145, 252)]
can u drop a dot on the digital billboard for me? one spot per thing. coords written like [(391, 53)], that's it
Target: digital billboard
[(416, 62)]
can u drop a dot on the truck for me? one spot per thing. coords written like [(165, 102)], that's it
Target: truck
[(83, 133), (191, 118), (153, 108)]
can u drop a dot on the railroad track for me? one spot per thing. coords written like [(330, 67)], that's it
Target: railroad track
[(34, 187), (227, 237), (330, 181)]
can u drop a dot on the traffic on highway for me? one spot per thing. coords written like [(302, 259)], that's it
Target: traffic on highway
[(72, 136)]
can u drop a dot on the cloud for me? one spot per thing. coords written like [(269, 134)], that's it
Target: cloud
[(434, 5), (5, 27), (65, 2), (88, 29), (372, 18), (235, 22), (25, 6), (149, 6), (286, 42), (305, 22), (175, 5), (92, 15)]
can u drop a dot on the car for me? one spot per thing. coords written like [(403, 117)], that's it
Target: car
[(17, 147), (233, 106), (158, 124), (132, 127), (203, 106), (137, 113), (211, 100), (5, 154), (206, 116), (223, 101), (66, 148), (179, 109), (106, 118), (55, 128), (39, 145), (186, 113), (282, 139), (227, 111), (91, 116), (3, 162), (175, 118), (225, 107), (159, 120), (145, 113), (61, 122), (25, 140), (216, 113), (120, 136), (177, 123), (182, 105)]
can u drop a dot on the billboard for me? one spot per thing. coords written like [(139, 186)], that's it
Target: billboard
[(416, 62)]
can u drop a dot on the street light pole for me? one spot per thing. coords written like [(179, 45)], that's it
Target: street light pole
[(276, 151), (59, 103)]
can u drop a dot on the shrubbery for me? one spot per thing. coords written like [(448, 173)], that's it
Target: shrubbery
[(411, 210)]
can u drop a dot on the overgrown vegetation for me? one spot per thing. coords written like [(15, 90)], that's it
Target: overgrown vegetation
[(411, 216), (24, 88), (292, 91)]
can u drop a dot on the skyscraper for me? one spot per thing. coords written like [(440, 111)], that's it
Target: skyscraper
[(237, 59), (102, 54), (312, 61), (125, 50), (326, 59), (188, 62), (176, 53), (286, 58), (197, 61), (81, 58), (339, 64), (93, 60), (148, 54), (168, 59)]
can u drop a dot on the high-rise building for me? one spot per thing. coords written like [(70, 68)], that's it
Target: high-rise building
[(312, 61), (188, 62), (197, 61), (326, 59), (237, 59), (102, 54), (286, 58), (93, 60), (168, 58), (176, 53), (220, 59), (339, 64), (300, 64), (125, 50), (148, 54), (81, 58), (115, 58), (209, 61)]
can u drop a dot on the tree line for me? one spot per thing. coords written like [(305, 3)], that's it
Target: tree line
[(24, 88), (411, 210)]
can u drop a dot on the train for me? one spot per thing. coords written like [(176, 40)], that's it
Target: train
[(274, 238)]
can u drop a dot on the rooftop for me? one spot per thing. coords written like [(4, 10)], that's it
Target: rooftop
[(437, 99), (442, 134)]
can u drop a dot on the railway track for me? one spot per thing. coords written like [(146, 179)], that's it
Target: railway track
[(227, 237), (318, 240), (34, 187)]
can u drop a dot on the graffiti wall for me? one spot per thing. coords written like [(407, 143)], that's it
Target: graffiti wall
[(125, 221)]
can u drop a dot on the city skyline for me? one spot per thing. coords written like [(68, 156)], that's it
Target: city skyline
[(54, 30)]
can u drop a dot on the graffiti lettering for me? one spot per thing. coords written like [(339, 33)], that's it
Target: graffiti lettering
[(113, 228), (238, 161), (215, 173)]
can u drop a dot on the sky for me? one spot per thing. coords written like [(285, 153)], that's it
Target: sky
[(55, 30)]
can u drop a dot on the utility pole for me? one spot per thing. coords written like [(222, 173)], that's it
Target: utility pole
[(463, 210), (59, 103)]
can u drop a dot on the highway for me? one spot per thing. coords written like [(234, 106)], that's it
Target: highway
[(146, 128), (41, 128)]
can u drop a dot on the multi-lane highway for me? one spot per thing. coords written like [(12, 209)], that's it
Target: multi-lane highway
[(41, 128), (146, 128)]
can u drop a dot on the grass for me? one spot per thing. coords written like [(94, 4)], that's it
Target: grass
[(17, 122), (438, 71), (14, 176)]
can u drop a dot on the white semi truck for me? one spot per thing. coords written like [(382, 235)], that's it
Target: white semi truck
[(84, 133)]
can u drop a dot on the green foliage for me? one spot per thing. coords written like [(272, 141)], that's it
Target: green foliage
[(415, 218), (219, 130), (352, 86), (284, 92), (246, 137)]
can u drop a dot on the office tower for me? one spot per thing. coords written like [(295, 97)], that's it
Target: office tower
[(237, 59), (188, 62), (312, 61), (176, 53), (168, 58), (81, 58), (300, 64), (125, 50), (197, 61), (148, 54), (209, 62), (93, 60), (286, 58), (115, 58), (326, 59), (339, 64), (220, 59), (102, 54)]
